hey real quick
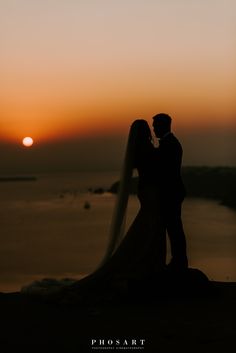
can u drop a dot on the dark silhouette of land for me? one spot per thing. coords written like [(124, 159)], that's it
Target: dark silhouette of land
[(193, 323), (17, 178), (216, 183)]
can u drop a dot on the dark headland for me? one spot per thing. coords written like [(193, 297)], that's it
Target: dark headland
[(17, 178), (216, 183)]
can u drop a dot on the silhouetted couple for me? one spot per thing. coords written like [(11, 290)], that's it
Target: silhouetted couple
[(160, 192), (141, 252)]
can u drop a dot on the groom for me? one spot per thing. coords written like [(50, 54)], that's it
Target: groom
[(172, 192)]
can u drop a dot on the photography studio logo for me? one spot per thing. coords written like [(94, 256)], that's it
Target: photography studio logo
[(117, 344)]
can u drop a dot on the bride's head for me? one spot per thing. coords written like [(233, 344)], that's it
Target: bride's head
[(140, 131)]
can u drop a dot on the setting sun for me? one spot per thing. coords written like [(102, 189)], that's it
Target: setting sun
[(27, 141)]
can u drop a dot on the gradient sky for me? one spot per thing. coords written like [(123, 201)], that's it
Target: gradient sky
[(75, 73)]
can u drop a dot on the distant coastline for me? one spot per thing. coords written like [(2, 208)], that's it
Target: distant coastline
[(217, 183), (17, 178)]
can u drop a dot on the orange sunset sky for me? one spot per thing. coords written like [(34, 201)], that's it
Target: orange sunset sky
[(75, 73)]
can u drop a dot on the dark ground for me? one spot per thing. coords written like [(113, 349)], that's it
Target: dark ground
[(195, 323)]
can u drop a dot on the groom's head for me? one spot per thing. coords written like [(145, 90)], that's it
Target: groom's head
[(161, 124)]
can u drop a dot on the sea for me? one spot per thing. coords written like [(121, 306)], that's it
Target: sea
[(57, 226)]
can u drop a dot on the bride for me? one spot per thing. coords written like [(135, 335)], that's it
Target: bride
[(141, 252), (144, 244)]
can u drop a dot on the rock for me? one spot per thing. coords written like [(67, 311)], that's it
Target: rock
[(169, 283), (87, 205), (98, 191)]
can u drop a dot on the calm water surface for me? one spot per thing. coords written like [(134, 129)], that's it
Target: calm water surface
[(47, 232)]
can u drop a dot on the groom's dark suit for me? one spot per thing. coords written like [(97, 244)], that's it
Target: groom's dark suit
[(172, 193)]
